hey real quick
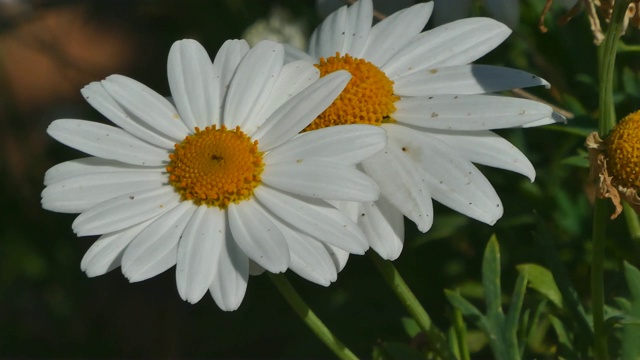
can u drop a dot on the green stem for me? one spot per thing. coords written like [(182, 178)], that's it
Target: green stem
[(302, 309), (623, 47), (607, 60), (436, 338)]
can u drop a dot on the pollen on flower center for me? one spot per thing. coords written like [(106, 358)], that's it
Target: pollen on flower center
[(623, 151), (216, 167), (367, 99)]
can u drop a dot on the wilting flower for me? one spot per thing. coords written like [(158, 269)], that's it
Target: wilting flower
[(615, 163), (221, 180), (436, 108), (278, 26)]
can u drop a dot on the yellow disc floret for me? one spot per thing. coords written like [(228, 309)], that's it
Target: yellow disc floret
[(216, 167), (367, 99), (623, 151)]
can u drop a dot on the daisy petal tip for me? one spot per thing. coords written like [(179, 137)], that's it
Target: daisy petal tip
[(426, 8), (341, 77), (558, 118), (192, 297)]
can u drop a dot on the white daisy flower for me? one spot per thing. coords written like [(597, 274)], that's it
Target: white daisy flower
[(436, 108), (221, 180)]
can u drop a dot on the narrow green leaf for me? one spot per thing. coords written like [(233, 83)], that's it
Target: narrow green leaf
[(468, 310), (491, 279), (541, 280), (515, 308), (535, 331), (460, 339), (569, 294), (513, 316), (410, 326), (577, 160), (631, 328), (565, 345)]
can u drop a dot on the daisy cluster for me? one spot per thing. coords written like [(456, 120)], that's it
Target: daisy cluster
[(270, 158)]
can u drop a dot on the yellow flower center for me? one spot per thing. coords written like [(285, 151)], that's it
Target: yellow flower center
[(623, 151), (216, 167), (367, 99)]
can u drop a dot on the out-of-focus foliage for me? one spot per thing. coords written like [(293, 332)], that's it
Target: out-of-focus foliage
[(49, 49)]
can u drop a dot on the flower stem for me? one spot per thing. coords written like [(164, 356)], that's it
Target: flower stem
[(607, 59), (302, 309), (436, 338)]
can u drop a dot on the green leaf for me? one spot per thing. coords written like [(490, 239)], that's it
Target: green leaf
[(631, 330), (566, 347), (410, 326), (584, 335), (501, 331), (542, 280), (515, 308), (491, 278), (467, 309), (577, 160)]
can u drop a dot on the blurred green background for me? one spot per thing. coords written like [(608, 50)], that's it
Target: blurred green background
[(49, 308)]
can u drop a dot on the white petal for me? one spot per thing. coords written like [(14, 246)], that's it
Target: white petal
[(224, 68), (97, 96), (456, 43), (90, 165), (487, 148), (464, 79), (154, 250), (259, 238), (329, 37), (106, 142), (321, 179), (255, 269), (469, 112), (391, 34), (292, 53), (358, 25), (232, 275), (194, 88), (198, 251), (339, 256), (553, 119), (403, 184), (299, 111), (315, 218), (294, 77), (106, 253), (383, 225), (126, 210), (149, 106), (309, 258), (453, 180), (250, 87), (346, 144), (79, 193)]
